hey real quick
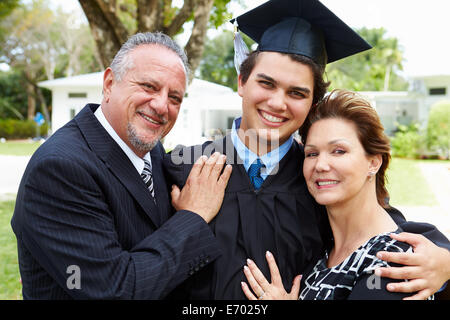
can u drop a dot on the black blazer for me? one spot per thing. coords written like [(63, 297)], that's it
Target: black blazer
[(82, 205)]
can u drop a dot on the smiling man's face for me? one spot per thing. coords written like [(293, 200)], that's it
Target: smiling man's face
[(143, 106), (276, 98)]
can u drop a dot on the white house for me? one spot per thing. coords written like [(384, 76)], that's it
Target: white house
[(405, 107), (207, 107)]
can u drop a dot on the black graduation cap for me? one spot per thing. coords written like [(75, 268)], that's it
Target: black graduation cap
[(304, 27)]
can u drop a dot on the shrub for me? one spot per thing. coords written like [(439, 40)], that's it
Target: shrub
[(438, 129), (407, 142), (20, 129)]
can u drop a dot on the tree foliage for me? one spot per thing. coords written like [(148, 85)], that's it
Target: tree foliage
[(373, 70), (217, 64), (7, 6), (39, 43), (113, 21), (13, 99)]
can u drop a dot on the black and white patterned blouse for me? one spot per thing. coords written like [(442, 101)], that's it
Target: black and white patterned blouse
[(354, 278)]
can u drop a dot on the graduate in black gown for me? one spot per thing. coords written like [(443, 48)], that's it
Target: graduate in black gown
[(267, 205)]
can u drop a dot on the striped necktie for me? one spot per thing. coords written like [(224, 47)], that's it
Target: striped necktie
[(147, 176), (254, 172)]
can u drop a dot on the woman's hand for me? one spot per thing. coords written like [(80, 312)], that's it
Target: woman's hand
[(427, 268), (262, 288)]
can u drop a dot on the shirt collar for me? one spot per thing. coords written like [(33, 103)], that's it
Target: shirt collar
[(134, 158), (270, 159)]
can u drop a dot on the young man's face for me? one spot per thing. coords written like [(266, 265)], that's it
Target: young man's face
[(143, 106), (276, 97)]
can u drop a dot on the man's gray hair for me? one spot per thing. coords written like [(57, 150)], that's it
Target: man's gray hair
[(122, 61)]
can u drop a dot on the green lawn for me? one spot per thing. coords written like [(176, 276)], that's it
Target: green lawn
[(10, 287), (406, 184), (19, 148)]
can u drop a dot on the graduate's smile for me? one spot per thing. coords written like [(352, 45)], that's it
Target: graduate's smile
[(270, 119)]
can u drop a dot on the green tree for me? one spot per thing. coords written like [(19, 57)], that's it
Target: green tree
[(113, 21), (7, 6), (407, 141), (13, 100), (40, 44), (373, 70), (217, 64)]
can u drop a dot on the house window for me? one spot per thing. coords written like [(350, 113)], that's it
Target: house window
[(438, 91), (72, 113), (77, 95)]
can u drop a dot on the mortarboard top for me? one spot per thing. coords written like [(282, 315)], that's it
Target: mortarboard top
[(304, 27)]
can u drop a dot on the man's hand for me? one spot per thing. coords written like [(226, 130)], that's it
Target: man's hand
[(427, 269), (205, 187)]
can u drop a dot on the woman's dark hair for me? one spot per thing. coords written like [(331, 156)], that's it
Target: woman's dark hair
[(320, 86), (347, 105)]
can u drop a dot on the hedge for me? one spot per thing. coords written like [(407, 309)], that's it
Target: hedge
[(20, 129)]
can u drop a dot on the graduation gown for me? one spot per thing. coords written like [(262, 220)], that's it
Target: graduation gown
[(281, 217)]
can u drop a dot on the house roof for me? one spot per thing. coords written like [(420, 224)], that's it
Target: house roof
[(96, 80), (84, 80)]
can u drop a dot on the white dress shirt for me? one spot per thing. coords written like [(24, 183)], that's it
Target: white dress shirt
[(134, 158)]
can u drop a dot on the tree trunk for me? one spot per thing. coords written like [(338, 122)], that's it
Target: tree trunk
[(107, 30), (31, 100), (147, 14), (44, 107), (195, 45)]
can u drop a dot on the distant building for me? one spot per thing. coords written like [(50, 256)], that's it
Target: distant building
[(406, 107)]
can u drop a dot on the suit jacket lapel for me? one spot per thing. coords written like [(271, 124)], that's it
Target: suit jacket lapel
[(117, 161), (159, 182)]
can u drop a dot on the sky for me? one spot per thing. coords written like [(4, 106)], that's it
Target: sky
[(422, 27)]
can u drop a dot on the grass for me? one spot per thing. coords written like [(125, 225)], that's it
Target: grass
[(10, 287), (406, 184), (19, 147)]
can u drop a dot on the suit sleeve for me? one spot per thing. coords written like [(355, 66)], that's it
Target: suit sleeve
[(429, 231), (67, 222)]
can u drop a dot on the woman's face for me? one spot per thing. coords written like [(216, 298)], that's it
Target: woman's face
[(336, 166)]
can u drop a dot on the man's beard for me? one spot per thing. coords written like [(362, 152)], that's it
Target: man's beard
[(137, 142)]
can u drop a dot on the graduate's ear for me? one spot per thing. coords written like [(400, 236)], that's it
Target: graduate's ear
[(240, 89)]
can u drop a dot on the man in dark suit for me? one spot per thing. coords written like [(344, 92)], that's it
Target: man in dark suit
[(93, 216)]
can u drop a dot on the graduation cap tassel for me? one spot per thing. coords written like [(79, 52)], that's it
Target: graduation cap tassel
[(240, 49)]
